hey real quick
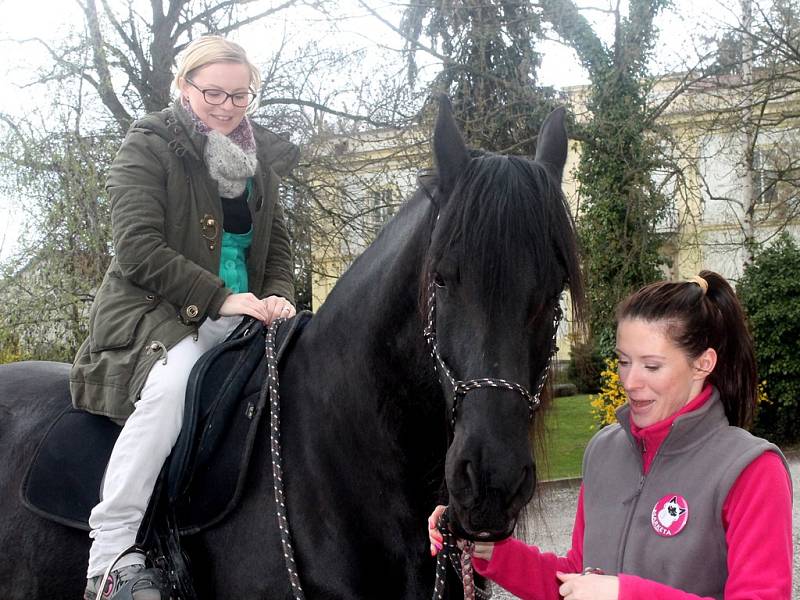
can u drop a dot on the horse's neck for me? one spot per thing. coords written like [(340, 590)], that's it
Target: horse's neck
[(372, 316), (361, 371)]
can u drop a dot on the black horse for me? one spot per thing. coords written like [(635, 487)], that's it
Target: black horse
[(369, 443)]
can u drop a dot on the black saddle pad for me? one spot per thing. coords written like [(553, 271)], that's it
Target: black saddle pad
[(205, 473), (63, 481)]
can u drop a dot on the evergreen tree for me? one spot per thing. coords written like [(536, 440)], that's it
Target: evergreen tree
[(489, 67)]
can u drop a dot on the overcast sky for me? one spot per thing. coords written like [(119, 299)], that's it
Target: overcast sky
[(54, 19)]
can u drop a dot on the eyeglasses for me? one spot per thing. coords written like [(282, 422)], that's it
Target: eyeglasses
[(217, 97)]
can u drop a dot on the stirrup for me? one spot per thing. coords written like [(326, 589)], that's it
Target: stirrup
[(153, 579)]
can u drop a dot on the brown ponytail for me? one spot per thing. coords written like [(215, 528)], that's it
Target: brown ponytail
[(700, 317)]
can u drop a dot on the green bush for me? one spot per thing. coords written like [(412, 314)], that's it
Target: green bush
[(585, 366), (9, 348), (769, 291)]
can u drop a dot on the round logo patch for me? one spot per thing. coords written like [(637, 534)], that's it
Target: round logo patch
[(670, 515)]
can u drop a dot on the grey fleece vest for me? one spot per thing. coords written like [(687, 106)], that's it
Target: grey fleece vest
[(698, 463)]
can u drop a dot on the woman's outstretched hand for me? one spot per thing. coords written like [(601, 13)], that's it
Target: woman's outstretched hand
[(434, 535), (480, 549)]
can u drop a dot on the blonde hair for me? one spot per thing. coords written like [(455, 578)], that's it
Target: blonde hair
[(210, 49)]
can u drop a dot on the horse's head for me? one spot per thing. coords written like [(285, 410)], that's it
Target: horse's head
[(502, 251)]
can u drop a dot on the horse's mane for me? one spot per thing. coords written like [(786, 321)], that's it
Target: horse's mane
[(509, 209)]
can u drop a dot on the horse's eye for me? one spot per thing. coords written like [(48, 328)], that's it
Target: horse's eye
[(438, 280)]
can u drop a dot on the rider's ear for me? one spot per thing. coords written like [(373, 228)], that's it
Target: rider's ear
[(449, 150), (551, 143)]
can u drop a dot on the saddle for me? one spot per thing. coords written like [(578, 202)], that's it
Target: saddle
[(203, 478)]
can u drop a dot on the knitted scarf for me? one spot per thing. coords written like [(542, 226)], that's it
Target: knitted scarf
[(231, 159)]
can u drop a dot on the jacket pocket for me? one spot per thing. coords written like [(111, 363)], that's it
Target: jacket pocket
[(117, 311)]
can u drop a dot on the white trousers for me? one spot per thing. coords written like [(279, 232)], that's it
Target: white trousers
[(144, 444)]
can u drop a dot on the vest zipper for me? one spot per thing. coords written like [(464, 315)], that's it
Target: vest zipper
[(634, 499)]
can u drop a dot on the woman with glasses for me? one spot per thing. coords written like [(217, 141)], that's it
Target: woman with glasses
[(199, 242)]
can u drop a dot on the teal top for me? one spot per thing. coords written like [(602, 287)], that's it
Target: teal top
[(233, 260)]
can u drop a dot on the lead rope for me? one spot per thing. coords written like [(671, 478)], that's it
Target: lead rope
[(271, 384), (462, 566)]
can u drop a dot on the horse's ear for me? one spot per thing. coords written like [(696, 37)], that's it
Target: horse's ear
[(449, 150), (551, 144)]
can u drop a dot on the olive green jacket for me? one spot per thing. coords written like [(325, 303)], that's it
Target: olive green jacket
[(167, 224)]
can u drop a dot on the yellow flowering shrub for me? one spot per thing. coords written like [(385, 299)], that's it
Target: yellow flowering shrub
[(611, 395), (762, 394)]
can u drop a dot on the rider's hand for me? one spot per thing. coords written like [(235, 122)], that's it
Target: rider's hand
[(266, 310), (278, 307), (245, 304)]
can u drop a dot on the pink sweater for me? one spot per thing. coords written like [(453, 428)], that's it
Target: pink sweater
[(757, 516)]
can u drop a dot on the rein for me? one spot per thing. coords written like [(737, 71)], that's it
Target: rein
[(271, 387), (461, 561)]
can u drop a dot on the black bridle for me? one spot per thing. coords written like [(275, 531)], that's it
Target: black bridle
[(460, 388), (463, 564)]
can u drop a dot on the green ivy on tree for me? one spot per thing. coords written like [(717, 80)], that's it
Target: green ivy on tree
[(619, 203), (769, 290)]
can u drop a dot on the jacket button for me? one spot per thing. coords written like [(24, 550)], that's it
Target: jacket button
[(211, 247), (191, 311)]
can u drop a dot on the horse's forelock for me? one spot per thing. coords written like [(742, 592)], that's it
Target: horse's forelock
[(506, 217)]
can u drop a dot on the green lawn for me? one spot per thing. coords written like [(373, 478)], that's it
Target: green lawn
[(568, 426)]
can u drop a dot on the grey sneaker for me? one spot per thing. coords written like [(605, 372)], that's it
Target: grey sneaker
[(128, 583)]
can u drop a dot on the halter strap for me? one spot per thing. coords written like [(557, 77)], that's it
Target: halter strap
[(460, 388)]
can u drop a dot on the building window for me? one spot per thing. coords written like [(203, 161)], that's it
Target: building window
[(383, 207), (765, 177)]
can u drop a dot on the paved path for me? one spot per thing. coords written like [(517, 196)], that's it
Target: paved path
[(551, 527)]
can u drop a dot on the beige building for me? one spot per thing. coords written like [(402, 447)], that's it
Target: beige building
[(716, 201), (360, 181)]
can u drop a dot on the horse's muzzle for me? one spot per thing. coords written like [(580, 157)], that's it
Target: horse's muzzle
[(491, 515), (462, 528)]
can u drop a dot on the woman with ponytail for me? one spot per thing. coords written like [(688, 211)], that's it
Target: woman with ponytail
[(678, 500)]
